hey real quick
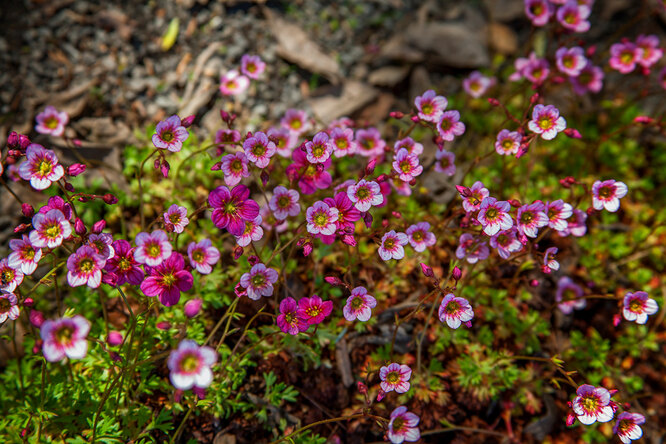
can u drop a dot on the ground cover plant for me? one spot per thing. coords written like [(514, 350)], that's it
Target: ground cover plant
[(484, 268)]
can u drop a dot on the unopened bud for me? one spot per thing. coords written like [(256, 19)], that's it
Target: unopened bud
[(110, 199), (616, 320), (216, 167), (307, 249), (187, 121), (571, 418), (514, 203), (157, 163), (573, 133), (427, 271), (397, 114), (362, 388), (397, 214), (238, 252), (114, 338), (99, 226), (79, 227), (27, 210), (349, 240), (36, 318), (333, 280), (21, 228), (534, 99), (264, 177), (415, 119), (385, 223), (380, 395), (76, 142), (75, 169), (28, 302), (456, 274), (240, 290), (253, 260), (163, 325), (165, 169), (534, 283), (493, 101), (193, 307), (367, 218), (69, 187)]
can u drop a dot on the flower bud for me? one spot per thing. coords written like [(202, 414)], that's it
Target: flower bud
[(75, 169), (463, 191), (534, 283), (367, 218), (349, 240), (240, 290), (187, 121), (370, 167), (616, 320), (79, 227), (362, 388), (110, 199), (200, 392), (28, 302), (397, 214), (415, 119), (253, 260), (456, 274), (36, 318), (573, 133), (193, 307), (163, 325), (514, 203), (534, 99), (381, 178), (380, 395), (76, 142), (397, 114), (590, 211), (571, 418), (157, 164), (165, 169), (264, 177), (427, 271), (238, 252), (27, 210), (69, 187), (216, 167), (21, 228), (307, 249), (99, 226), (114, 338), (385, 223), (16, 141), (333, 280), (38, 346), (493, 101)]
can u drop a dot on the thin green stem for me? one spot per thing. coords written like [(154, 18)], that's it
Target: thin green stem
[(326, 421)]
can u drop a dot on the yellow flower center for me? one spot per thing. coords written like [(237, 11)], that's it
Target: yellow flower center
[(45, 167), (295, 124), (357, 303), (393, 378), (283, 201), (342, 143), (605, 192), (313, 310), (545, 122), (389, 243), (491, 213), (86, 265), (427, 108), (64, 335), (53, 230), (405, 166), (168, 280), (197, 256), (452, 307), (51, 122), (321, 219), (362, 193), (189, 363), (258, 149), (167, 136), (526, 217), (258, 280), (507, 144)]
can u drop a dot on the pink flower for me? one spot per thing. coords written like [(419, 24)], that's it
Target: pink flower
[(24, 255), (65, 337), (365, 194), (321, 218), (591, 404), (449, 125), (392, 246), (508, 142), (284, 203), (637, 307), (506, 243), (252, 66), (573, 16), (259, 281), (569, 296), (253, 232), (10, 278), (430, 106), (123, 266), (229, 137), (369, 142), (627, 426), (476, 84), (57, 203), (407, 165), (409, 144), (259, 149), (455, 311), (9, 308), (319, 149), (557, 212), (550, 264), (347, 215), (472, 249), (311, 177), (472, 197), (232, 83), (203, 255), (85, 267), (590, 79), (234, 167), (167, 280), (50, 229), (232, 208), (288, 319), (403, 426), (607, 194), (624, 57), (530, 218), (359, 305), (395, 377), (189, 365), (538, 11), (102, 243), (51, 121), (533, 68), (546, 121), (170, 134), (571, 61), (650, 50), (152, 249), (41, 167), (494, 215), (175, 218), (284, 140), (313, 310), (295, 121), (420, 236), (343, 142)]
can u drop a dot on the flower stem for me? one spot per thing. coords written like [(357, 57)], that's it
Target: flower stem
[(326, 421)]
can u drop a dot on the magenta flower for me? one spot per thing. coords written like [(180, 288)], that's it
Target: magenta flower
[(284, 140), (253, 232), (550, 264), (41, 167), (420, 236), (546, 121), (321, 218), (234, 167), (445, 162), (10, 278), (269, 222), (311, 177), (533, 68), (232, 208), (57, 203), (233, 83), (284, 203), (175, 218), (407, 165), (359, 305), (288, 319), (409, 144), (573, 16), (84, 267), (227, 137), (530, 218), (167, 280), (65, 337), (590, 79), (313, 310), (259, 149), (50, 229), (296, 121), (369, 142), (449, 125), (252, 66), (51, 121), (189, 365), (259, 281), (347, 215), (152, 249), (576, 225), (203, 255), (24, 255), (365, 194), (395, 377), (123, 266), (538, 11), (102, 243), (557, 212), (506, 243), (170, 134), (476, 84), (607, 194), (392, 246), (571, 61), (591, 404), (455, 311), (494, 215), (624, 57), (9, 308), (403, 426), (473, 196), (343, 142), (627, 426), (319, 149), (569, 296), (472, 249), (650, 50), (430, 106), (638, 306)]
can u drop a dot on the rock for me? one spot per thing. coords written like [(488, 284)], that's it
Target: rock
[(388, 75), (505, 10), (502, 38), (352, 96), (454, 44)]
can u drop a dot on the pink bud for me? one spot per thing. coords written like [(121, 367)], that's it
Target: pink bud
[(380, 395), (415, 119), (493, 101), (463, 191), (573, 133), (362, 388), (69, 187), (240, 290), (79, 227), (187, 121), (238, 252), (427, 271), (38, 346), (534, 99), (590, 211), (157, 163), (110, 199), (397, 114), (21, 228), (616, 320), (385, 223), (177, 395), (381, 178), (200, 392), (216, 167), (349, 240), (163, 325), (115, 357), (27, 210), (534, 283), (76, 169), (514, 203), (571, 418), (114, 338), (367, 218), (370, 167), (643, 119), (193, 307), (457, 273), (468, 324), (36, 318), (28, 302), (253, 260), (333, 280), (264, 177), (99, 226), (165, 169), (307, 249)]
